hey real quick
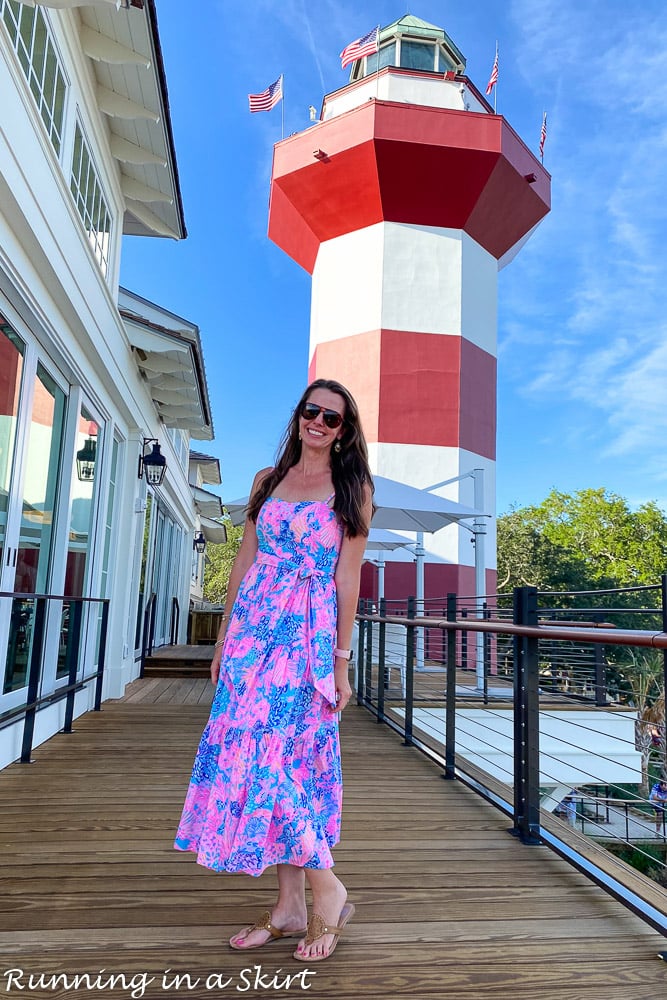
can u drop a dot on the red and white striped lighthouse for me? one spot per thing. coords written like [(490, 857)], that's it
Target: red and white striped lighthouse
[(403, 202)]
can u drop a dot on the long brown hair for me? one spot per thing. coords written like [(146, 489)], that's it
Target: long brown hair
[(350, 471)]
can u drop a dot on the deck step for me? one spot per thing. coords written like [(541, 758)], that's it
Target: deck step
[(179, 661)]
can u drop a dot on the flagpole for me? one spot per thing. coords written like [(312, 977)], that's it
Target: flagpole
[(495, 89), (377, 72), (282, 106)]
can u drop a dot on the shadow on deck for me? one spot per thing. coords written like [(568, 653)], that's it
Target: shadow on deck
[(448, 904)]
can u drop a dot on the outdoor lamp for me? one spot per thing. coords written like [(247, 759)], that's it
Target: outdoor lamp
[(155, 464), (85, 460), (199, 543)]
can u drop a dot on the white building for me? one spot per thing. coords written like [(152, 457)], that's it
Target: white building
[(91, 376), (204, 471)]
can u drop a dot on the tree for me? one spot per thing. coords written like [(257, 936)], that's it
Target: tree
[(219, 561), (590, 539), (648, 698)]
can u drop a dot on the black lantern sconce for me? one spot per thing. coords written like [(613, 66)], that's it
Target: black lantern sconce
[(85, 460), (154, 465), (199, 543)]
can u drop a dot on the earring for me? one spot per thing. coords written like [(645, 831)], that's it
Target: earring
[(337, 446), (299, 435)]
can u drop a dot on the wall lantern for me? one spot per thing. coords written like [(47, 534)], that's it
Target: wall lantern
[(85, 460), (155, 464), (199, 543)]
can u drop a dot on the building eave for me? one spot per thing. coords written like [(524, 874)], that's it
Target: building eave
[(132, 94)]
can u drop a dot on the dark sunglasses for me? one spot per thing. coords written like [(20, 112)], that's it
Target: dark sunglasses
[(332, 419)]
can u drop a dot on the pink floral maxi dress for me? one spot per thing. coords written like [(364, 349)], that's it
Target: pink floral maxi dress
[(266, 784)]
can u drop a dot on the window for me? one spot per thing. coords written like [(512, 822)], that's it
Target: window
[(418, 55), (30, 35), (90, 200), (386, 55)]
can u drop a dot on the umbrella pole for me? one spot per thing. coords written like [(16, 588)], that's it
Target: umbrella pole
[(419, 594), (479, 531)]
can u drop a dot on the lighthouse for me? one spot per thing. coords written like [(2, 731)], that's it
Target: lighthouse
[(403, 202)]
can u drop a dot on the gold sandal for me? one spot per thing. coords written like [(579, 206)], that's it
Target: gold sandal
[(264, 924), (317, 929)]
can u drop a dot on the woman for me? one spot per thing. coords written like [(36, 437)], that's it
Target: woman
[(266, 784)]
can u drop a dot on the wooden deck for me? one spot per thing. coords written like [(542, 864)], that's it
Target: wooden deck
[(448, 904)]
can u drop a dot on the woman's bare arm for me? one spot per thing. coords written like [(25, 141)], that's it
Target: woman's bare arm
[(347, 577)]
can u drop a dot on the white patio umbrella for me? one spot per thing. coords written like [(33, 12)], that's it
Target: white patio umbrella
[(381, 541), (405, 508), (399, 507)]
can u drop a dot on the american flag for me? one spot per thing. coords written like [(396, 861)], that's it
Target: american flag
[(543, 135), (493, 79), (268, 98), (361, 47)]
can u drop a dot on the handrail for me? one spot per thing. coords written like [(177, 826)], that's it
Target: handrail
[(20, 595), (620, 637)]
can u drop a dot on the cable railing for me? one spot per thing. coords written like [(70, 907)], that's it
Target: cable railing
[(571, 766), (78, 625)]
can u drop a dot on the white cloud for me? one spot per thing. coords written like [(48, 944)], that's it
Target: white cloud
[(605, 282)]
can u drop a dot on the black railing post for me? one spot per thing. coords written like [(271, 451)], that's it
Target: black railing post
[(34, 673), (101, 656), (450, 695), (409, 673), (382, 670), (72, 659), (526, 721), (175, 622), (360, 653)]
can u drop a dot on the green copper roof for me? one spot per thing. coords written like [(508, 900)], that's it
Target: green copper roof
[(414, 26)]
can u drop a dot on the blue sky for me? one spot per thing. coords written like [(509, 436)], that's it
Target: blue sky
[(582, 360)]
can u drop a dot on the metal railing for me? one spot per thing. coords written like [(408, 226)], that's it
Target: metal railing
[(175, 621), (543, 750), (76, 618), (148, 631)]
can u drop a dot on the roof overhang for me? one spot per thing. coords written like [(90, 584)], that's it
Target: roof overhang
[(168, 354), (214, 532), (206, 504), (122, 42), (208, 466)]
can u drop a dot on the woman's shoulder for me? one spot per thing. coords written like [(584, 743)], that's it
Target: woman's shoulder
[(261, 476)]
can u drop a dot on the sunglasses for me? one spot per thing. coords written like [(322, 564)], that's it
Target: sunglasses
[(332, 419)]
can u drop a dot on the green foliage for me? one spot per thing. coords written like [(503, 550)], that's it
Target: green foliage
[(590, 539), (219, 561), (648, 859)]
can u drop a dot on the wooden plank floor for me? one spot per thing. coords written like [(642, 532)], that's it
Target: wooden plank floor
[(448, 904)]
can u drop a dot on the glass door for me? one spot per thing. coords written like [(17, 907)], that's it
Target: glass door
[(13, 618), (31, 436)]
